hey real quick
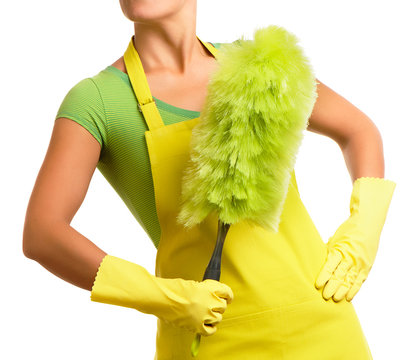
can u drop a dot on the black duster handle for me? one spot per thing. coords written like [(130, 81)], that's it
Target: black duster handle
[(213, 271), (213, 268)]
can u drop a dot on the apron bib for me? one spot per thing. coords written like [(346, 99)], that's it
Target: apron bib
[(277, 313)]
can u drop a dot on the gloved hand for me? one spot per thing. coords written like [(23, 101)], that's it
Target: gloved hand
[(185, 303), (353, 247)]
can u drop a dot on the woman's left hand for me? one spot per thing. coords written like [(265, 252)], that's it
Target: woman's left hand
[(352, 249)]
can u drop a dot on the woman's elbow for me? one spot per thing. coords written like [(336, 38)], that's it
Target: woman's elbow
[(29, 247), (367, 133)]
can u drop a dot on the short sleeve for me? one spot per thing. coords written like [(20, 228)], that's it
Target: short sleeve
[(84, 105), (218, 45)]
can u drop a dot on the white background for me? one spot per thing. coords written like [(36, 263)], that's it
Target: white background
[(364, 50)]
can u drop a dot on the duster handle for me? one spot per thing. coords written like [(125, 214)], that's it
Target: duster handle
[(213, 271), (213, 268)]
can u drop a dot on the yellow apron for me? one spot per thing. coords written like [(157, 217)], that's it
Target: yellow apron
[(277, 313)]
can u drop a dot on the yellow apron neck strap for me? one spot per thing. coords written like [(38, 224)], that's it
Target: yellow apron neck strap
[(209, 47), (140, 85)]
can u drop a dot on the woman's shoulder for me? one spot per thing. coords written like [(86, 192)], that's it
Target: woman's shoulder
[(120, 64)]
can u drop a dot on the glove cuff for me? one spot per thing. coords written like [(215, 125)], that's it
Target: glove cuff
[(370, 199), (124, 283)]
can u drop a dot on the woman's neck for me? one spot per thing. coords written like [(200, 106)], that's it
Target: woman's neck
[(169, 46)]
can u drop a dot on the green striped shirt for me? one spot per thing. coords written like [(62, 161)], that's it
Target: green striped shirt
[(106, 106)]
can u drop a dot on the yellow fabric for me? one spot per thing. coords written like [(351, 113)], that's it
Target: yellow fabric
[(145, 102), (276, 313), (184, 303), (353, 247)]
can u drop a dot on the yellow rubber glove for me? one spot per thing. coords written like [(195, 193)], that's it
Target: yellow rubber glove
[(185, 303), (353, 247)]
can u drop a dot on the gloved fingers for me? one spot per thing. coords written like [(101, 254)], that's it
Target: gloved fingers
[(333, 259), (220, 303), (336, 280), (220, 308), (215, 318), (207, 329), (221, 290), (341, 292), (225, 293), (346, 285), (356, 285), (209, 324)]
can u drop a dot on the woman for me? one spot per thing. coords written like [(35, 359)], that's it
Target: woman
[(268, 317)]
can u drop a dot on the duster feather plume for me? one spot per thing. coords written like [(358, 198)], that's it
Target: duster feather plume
[(243, 149)]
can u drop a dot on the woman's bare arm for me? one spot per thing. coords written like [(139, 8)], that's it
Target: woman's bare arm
[(356, 134), (58, 193)]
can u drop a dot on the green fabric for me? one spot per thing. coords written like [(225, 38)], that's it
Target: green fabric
[(106, 106)]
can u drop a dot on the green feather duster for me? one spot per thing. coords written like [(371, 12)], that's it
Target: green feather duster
[(244, 147)]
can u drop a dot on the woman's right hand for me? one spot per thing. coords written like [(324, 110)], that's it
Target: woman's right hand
[(196, 306), (193, 305)]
